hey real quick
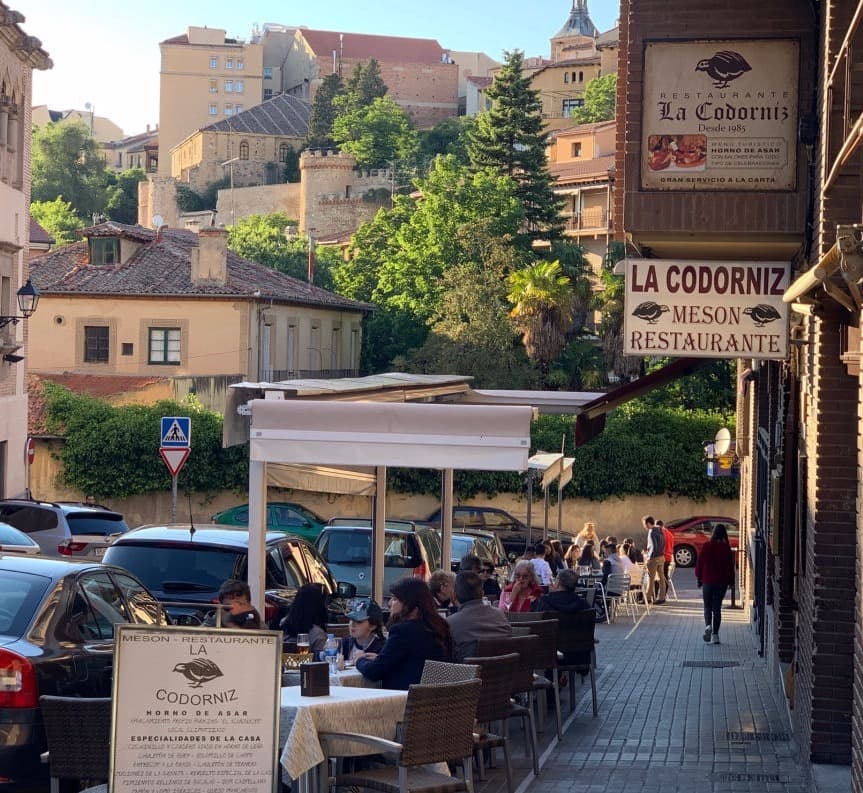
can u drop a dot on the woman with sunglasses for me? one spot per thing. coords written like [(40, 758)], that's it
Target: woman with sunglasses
[(523, 590)]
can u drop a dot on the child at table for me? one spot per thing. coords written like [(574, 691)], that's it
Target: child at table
[(366, 631)]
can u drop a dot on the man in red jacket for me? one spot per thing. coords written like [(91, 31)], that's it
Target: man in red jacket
[(714, 572), (668, 550)]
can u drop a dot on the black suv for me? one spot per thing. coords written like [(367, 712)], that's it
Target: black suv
[(179, 563), (511, 531)]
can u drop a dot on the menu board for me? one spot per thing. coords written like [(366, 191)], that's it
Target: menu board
[(720, 115), (195, 710)]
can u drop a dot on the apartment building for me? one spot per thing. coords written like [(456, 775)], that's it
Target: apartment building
[(204, 76), (20, 55)]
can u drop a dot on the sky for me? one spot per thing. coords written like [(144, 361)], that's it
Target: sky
[(107, 52)]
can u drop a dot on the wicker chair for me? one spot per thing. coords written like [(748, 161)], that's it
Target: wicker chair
[(78, 731), (521, 616), (577, 646), (494, 706), (521, 681), (545, 660), (438, 727), (441, 672)]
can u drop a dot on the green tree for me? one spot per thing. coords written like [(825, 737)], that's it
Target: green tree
[(122, 204), (58, 218), (541, 298), (323, 113), (449, 136), (66, 162), (377, 135), (291, 172), (261, 238), (610, 303), (600, 99), (364, 85), (510, 138)]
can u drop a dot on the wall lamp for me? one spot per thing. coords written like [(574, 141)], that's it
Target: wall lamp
[(28, 299)]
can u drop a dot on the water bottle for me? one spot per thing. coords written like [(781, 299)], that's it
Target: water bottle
[(331, 653)]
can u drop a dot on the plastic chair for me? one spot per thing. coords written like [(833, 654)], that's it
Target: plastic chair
[(671, 568), (78, 732), (438, 727), (617, 592)]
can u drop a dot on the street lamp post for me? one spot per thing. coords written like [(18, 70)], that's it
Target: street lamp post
[(28, 299), (92, 108)]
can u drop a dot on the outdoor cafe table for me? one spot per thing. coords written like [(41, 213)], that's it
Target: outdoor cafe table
[(372, 711), (345, 677)]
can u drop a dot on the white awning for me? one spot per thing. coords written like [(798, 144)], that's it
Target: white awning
[(550, 465), (357, 481), (566, 473)]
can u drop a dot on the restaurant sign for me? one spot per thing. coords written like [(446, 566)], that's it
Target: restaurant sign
[(195, 710), (706, 309), (720, 115)]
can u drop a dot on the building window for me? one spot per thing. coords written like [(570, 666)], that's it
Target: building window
[(354, 353), (127, 348), (566, 77), (229, 86), (569, 105), (238, 109), (336, 349), (268, 94), (244, 150), (96, 343), (214, 62), (213, 110), (229, 109), (292, 347), (268, 72), (576, 149), (581, 77), (238, 88), (229, 63), (315, 359), (240, 63), (164, 346), (104, 250), (214, 86), (283, 152)]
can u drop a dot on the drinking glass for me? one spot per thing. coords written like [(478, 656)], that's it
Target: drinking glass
[(302, 642)]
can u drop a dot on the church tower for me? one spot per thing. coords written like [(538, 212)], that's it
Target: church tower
[(577, 35)]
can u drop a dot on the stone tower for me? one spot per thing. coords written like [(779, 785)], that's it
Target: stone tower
[(576, 35)]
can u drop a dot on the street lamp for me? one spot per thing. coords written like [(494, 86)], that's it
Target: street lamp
[(28, 299)]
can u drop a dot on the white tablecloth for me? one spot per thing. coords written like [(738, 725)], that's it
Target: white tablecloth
[(346, 677), (372, 711)]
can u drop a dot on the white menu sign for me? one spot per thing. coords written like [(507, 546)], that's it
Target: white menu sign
[(720, 115), (709, 309), (195, 710)]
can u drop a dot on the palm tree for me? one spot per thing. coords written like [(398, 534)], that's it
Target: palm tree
[(542, 301)]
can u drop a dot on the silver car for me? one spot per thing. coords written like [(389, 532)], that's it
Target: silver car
[(14, 541)]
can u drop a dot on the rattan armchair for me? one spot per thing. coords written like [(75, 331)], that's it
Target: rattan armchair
[(494, 706), (545, 661), (443, 672), (438, 727), (78, 732)]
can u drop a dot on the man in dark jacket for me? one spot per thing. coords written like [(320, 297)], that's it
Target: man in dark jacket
[(563, 596), (654, 558), (474, 620)]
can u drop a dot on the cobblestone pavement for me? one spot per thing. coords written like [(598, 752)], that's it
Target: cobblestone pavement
[(669, 719)]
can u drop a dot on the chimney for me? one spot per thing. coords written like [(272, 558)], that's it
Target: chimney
[(210, 257)]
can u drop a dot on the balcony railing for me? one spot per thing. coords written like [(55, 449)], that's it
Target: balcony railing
[(593, 218)]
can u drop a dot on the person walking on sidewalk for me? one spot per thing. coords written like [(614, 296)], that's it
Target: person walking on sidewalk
[(714, 572), (655, 558)]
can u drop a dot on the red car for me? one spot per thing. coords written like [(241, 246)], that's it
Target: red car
[(690, 534)]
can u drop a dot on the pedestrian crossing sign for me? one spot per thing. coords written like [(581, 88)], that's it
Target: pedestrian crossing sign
[(176, 432)]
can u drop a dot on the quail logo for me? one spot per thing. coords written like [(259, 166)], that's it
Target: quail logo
[(762, 314), (724, 67), (199, 671), (649, 311)]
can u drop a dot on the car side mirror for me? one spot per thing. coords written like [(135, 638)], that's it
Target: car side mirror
[(346, 590)]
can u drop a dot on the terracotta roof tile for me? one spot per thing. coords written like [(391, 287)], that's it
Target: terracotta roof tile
[(162, 267), (581, 129), (282, 115), (587, 170), (364, 46), (38, 235), (480, 82)]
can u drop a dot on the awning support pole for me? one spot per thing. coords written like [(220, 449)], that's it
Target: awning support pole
[(446, 520), (257, 532), (545, 514), (379, 536)]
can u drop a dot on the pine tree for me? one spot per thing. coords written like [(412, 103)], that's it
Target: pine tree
[(510, 138), (323, 113), (365, 84)]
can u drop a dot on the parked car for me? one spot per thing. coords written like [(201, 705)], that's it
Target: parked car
[(57, 621), (347, 550), (283, 516), (69, 529), (14, 541), (181, 564), (488, 547), (511, 531), (690, 535)]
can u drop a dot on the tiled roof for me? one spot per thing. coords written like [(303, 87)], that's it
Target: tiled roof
[(581, 129), (480, 82), (183, 38), (100, 386), (588, 58), (38, 235), (281, 115), (132, 140), (608, 39), (586, 170), (363, 46), (162, 267)]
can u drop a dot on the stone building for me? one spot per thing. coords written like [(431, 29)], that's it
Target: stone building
[(20, 55), (700, 182), (420, 74)]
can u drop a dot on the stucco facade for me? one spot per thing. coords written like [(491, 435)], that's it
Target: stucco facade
[(204, 77)]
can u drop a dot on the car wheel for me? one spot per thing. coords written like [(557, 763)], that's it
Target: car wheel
[(684, 555)]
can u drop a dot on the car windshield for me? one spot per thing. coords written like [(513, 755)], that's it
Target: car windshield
[(20, 594), (355, 547), (461, 546), (177, 568), (95, 523)]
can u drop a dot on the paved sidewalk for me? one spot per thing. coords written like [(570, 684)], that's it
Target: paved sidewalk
[(669, 720)]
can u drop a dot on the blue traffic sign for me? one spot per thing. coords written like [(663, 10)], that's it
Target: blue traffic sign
[(176, 432)]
